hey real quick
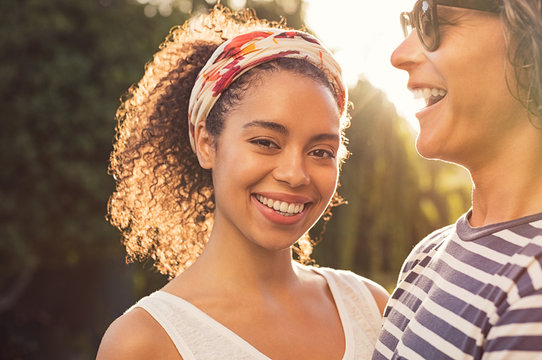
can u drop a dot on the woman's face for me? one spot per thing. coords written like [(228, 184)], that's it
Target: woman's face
[(275, 165), (477, 116)]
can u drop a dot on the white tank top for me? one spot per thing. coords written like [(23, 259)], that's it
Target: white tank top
[(197, 336)]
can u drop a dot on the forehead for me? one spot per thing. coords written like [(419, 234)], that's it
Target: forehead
[(289, 97)]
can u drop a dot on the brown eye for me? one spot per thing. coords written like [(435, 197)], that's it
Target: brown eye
[(265, 143), (321, 153)]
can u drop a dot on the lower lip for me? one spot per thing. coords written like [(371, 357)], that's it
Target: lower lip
[(277, 218)]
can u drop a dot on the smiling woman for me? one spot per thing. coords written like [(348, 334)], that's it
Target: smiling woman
[(227, 153), (472, 290), (282, 150)]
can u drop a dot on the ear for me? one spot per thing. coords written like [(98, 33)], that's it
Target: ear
[(205, 146)]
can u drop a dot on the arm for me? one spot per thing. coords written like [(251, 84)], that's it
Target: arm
[(136, 335), (379, 294)]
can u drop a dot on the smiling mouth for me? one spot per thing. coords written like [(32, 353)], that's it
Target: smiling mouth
[(431, 96), (281, 207)]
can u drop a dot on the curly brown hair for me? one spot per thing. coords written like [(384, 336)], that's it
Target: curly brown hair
[(163, 203), (523, 25)]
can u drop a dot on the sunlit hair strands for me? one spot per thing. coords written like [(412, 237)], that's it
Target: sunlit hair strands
[(163, 202)]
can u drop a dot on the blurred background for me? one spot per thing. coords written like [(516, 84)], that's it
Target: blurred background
[(64, 65)]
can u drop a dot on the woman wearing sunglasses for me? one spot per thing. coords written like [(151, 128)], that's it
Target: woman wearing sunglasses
[(473, 290)]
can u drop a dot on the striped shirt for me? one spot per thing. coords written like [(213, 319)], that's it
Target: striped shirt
[(469, 293)]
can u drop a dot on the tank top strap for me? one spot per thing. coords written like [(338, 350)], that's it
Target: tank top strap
[(158, 308), (195, 334)]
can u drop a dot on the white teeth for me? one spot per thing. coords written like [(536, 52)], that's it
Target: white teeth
[(426, 93), (291, 208), (287, 209)]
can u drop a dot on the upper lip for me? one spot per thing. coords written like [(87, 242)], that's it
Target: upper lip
[(289, 198)]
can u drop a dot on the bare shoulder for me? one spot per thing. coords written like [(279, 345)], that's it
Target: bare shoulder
[(380, 294), (136, 335)]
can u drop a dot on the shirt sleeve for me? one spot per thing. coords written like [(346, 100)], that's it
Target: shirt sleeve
[(518, 332)]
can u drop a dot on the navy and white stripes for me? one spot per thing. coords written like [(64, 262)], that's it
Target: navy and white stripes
[(469, 293)]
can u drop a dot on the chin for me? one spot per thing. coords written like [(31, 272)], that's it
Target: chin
[(426, 149), (432, 151), (279, 242)]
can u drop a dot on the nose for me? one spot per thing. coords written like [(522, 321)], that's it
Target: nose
[(409, 53), (291, 169)]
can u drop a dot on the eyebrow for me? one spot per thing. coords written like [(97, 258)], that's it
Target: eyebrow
[(324, 137), (284, 131), (267, 125)]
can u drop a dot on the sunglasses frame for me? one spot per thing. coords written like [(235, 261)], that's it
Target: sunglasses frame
[(414, 19)]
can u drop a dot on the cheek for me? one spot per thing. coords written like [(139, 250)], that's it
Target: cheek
[(327, 182), (237, 170), (482, 84)]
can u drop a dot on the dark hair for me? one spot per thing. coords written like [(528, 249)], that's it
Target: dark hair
[(163, 203), (523, 26)]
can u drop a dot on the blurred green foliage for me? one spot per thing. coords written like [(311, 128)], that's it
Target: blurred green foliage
[(64, 65)]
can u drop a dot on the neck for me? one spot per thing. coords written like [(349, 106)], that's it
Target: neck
[(230, 264), (509, 185)]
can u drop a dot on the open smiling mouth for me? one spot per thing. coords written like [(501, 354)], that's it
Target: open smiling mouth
[(281, 207), (430, 95)]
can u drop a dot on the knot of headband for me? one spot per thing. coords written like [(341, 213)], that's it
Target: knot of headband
[(244, 52)]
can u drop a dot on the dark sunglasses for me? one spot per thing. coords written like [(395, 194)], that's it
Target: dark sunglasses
[(424, 18)]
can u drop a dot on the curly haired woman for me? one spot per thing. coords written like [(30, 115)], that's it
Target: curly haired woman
[(227, 153)]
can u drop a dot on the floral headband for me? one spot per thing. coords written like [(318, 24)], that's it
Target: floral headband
[(244, 52)]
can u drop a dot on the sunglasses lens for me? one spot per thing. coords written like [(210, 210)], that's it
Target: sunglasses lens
[(426, 23), (406, 25)]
